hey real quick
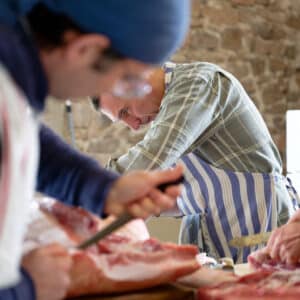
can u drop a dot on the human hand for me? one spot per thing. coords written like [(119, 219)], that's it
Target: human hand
[(284, 244), (49, 268), (295, 217), (137, 193)]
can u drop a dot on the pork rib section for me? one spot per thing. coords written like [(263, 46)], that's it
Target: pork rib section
[(261, 259), (124, 261), (262, 285)]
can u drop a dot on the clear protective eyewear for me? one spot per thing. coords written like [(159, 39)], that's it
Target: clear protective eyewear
[(131, 87)]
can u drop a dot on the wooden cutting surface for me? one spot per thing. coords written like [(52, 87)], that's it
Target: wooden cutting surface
[(243, 269), (165, 292)]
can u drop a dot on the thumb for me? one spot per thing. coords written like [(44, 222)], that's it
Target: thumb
[(169, 175)]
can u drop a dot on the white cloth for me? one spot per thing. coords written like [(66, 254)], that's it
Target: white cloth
[(18, 172)]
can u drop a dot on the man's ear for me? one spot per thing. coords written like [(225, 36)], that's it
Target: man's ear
[(85, 48)]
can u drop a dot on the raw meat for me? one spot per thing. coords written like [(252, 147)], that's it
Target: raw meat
[(260, 259), (263, 285), (126, 260), (130, 266), (206, 277)]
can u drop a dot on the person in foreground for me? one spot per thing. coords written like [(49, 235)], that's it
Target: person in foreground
[(70, 49), (201, 116)]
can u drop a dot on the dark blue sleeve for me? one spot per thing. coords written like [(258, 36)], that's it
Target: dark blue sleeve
[(69, 176), (24, 290)]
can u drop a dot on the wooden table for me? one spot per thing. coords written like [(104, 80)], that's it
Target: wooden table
[(164, 292)]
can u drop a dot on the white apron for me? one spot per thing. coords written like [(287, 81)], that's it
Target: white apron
[(19, 157), (219, 205)]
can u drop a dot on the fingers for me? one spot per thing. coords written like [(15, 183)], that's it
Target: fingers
[(174, 191), (274, 243), (165, 176), (284, 244), (114, 208), (290, 252), (295, 217), (162, 200), (152, 205), (144, 208), (137, 192), (59, 253), (54, 249)]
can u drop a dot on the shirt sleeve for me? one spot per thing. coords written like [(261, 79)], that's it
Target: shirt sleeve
[(188, 109), (70, 176), (24, 290)]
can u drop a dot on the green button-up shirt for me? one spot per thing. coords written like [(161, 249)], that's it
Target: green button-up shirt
[(205, 110)]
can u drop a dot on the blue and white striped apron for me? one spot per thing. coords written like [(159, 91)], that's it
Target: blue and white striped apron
[(219, 205)]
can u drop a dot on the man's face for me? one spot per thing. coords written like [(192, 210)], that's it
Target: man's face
[(79, 69), (133, 112), (76, 82)]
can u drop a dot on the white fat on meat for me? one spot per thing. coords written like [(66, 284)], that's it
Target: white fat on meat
[(138, 271), (42, 231), (125, 261)]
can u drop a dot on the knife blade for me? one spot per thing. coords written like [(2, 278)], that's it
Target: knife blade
[(250, 240), (120, 221)]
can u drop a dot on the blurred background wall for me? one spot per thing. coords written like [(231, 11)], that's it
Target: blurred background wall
[(257, 40)]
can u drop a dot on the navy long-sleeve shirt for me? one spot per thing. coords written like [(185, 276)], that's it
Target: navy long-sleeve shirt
[(24, 290), (63, 172)]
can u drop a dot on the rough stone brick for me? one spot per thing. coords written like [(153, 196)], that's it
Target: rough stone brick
[(294, 22), (264, 2), (232, 39), (272, 93), (258, 40), (238, 69), (221, 16), (104, 145), (204, 40), (278, 65), (290, 52), (258, 65), (243, 2)]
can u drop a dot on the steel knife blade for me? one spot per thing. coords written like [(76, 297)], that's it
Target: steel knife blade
[(120, 221)]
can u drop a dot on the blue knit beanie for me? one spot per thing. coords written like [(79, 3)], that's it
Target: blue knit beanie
[(146, 30)]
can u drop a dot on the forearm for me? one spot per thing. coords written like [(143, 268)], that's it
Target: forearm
[(24, 290), (70, 176)]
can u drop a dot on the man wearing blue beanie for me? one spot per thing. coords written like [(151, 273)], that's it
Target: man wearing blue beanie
[(69, 49)]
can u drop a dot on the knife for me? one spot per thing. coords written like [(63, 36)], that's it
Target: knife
[(120, 221), (250, 240)]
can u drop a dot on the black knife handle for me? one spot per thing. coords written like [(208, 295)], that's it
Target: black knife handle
[(121, 220), (163, 186)]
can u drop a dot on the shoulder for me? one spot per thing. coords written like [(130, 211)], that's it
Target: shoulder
[(12, 52), (9, 38), (192, 77), (199, 70)]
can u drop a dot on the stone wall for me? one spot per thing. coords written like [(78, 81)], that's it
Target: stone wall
[(256, 40)]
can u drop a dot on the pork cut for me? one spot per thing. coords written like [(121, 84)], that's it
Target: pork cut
[(124, 261), (262, 285), (261, 259)]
